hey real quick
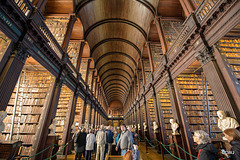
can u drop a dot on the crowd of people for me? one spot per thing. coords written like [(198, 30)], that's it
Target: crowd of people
[(101, 140)]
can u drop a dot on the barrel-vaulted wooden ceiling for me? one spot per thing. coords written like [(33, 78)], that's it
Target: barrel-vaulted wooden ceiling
[(116, 32)]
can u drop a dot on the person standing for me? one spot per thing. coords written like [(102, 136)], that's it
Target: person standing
[(125, 141), (101, 141), (90, 144), (109, 139), (233, 137), (206, 150), (79, 143)]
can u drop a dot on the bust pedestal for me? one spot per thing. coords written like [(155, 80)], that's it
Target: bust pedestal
[(9, 150), (53, 149), (178, 140), (157, 136)]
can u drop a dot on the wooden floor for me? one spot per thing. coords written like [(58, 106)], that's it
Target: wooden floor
[(151, 155)]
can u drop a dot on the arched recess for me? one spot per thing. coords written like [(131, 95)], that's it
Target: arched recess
[(115, 76), (116, 89), (114, 80), (116, 62), (115, 70), (116, 84), (117, 53), (115, 20), (117, 40)]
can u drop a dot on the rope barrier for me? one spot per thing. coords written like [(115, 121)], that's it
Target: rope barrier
[(40, 152), (171, 153), (48, 148), (151, 143), (164, 146), (58, 151)]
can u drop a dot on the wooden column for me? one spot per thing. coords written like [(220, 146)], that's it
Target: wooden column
[(95, 87), (79, 59), (160, 133), (69, 120), (93, 117), (82, 119), (161, 36), (96, 118), (187, 7), (147, 120), (92, 81), (150, 56), (88, 70), (136, 118), (180, 114), (49, 113), (140, 119), (138, 81), (143, 72), (221, 92), (89, 115), (68, 33), (11, 73)]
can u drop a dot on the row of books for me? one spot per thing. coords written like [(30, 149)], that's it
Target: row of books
[(25, 110), (200, 107), (24, 128), (187, 91), (23, 119)]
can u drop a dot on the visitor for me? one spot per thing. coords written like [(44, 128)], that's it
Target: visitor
[(79, 143), (101, 141), (125, 140), (90, 144), (109, 140), (233, 137), (206, 150)]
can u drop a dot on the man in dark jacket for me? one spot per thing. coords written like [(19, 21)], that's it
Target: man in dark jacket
[(80, 143), (109, 139)]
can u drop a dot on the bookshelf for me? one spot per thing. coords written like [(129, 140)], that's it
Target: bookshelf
[(26, 105), (151, 110), (4, 43), (171, 29), (78, 112), (73, 51), (157, 54), (230, 51), (58, 27), (63, 105), (199, 103), (83, 68), (143, 114), (147, 70), (166, 108)]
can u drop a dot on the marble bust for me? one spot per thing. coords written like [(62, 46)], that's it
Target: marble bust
[(3, 115), (155, 127), (225, 122), (73, 127), (52, 127), (139, 127), (144, 126), (174, 126)]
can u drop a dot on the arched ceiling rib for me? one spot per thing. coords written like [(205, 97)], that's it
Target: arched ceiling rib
[(116, 31)]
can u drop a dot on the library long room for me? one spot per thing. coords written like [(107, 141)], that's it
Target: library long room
[(119, 79)]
